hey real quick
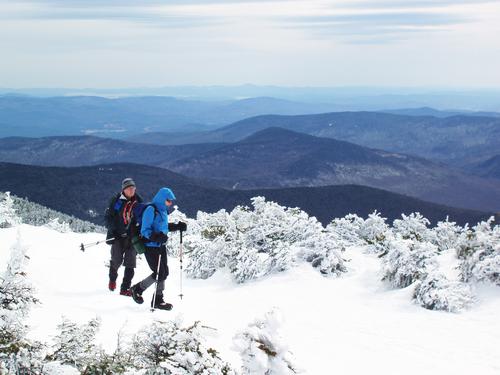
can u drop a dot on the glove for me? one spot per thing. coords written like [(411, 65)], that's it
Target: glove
[(124, 235), (182, 226), (159, 237)]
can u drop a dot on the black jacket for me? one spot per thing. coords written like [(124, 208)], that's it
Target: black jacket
[(113, 217)]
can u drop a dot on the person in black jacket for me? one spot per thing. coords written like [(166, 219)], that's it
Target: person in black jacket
[(118, 216)]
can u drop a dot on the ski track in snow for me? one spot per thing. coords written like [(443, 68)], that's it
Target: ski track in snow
[(353, 324)]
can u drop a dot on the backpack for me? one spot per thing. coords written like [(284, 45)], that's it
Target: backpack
[(135, 225)]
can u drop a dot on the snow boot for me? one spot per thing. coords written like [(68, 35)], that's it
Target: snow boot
[(160, 304), (126, 293), (112, 285), (136, 292)]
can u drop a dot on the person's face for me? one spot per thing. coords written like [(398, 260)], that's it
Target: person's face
[(129, 192), (168, 202)]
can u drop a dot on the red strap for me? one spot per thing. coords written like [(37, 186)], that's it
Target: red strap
[(127, 211)]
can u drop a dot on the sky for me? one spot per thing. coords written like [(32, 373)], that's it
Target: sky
[(152, 43)]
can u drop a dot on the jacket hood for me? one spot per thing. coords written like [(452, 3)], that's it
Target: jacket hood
[(160, 198)]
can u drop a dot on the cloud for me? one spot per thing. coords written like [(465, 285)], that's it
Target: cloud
[(395, 19), (333, 17), (378, 22), (171, 14), (408, 4)]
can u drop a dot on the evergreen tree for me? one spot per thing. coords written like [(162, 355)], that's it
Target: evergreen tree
[(35, 214), (17, 353), (170, 349), (8, 215)]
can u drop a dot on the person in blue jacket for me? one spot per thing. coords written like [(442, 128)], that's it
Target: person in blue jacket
[(154, 233)]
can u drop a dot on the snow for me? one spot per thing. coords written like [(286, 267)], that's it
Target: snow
[(353, 324)]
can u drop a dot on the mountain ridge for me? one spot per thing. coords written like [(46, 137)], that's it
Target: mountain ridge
[(277, 158), (458, 140), (79, 190)]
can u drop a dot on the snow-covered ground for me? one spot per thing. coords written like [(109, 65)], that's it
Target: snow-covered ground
[(349, 325)]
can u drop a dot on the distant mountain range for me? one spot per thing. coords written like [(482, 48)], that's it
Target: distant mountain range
[(272, 158), (276, 157), (72, 151), (460, 138), (428, 111), (344, 98), (456, 140), (121, 117), (85, 191)]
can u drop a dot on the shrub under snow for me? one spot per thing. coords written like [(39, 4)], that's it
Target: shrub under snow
[(436, 292), (263, 349), (345, 231), (75, 346), (407, 261), (374, 230), (479, 250), (169, 349), (446, 235), (253, 243), (413, 227)]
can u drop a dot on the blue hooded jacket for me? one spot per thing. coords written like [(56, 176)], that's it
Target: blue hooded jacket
[(152, 223)]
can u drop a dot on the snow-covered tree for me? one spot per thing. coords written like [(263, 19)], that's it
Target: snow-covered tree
[(263, 349), (374, 230), (479, 250), (17, 353), (346, 231), (75, 345), (413, 227), (324, 253), (446, 235), (58, 225), (255, 242), (168, 348), (408, 261), (36, 214), (206, 244), (8, 215), (436, 292)]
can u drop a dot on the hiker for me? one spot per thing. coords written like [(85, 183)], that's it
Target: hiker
[(154, 234), (117, 217)]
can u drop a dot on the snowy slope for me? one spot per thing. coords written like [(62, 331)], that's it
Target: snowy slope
[(348, 325)]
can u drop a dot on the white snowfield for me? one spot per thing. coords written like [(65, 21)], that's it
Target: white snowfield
[(354, 324)]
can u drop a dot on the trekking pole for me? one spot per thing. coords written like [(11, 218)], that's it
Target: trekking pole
[(156, 282), (83, 246), (180, 258)]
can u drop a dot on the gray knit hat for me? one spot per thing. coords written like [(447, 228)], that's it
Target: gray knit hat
[(127, 182)]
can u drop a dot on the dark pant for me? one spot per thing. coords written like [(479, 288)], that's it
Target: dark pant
[(152, 255), (122, 252)]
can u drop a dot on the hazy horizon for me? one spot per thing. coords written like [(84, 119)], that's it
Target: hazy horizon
[(101, 44)]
